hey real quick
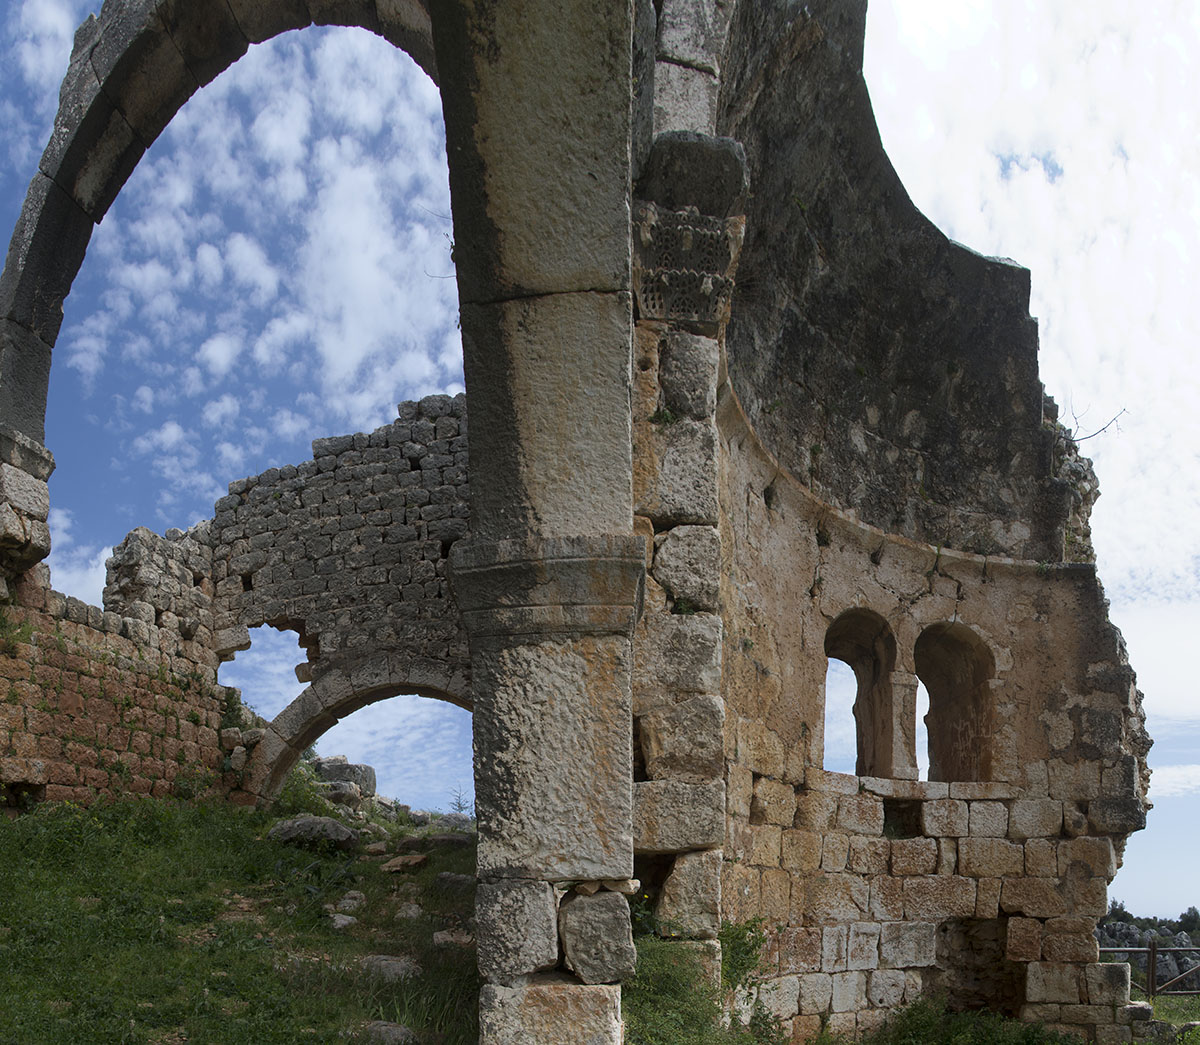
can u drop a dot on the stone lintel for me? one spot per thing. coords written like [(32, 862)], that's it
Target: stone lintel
[(550, 586), (17, 449)]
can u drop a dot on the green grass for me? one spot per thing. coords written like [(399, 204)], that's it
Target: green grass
[(927, 1022), (1178, 1009), (161, 922)]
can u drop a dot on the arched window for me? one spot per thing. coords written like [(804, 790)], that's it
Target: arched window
[(956, 665), (864, 641)]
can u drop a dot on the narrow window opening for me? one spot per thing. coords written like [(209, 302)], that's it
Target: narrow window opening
[(863, 641), (922, 732), (841, 744), (955, 666)]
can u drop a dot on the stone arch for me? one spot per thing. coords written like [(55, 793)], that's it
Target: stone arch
[(338, 693), (957, 667), (864, 640), (131, 71)]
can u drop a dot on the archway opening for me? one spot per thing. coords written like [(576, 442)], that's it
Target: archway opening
[(863, 641), (956, 665)]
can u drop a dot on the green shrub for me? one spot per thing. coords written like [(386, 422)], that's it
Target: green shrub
[(926, 1022)]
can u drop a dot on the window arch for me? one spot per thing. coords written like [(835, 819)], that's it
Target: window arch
[(956, 666), (864, 640)]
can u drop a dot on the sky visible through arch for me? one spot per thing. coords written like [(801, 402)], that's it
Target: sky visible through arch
[(278, 268)]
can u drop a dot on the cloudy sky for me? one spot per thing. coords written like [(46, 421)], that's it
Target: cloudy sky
[(278, 268)]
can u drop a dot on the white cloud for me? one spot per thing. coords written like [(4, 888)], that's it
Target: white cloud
[(1174, 781), (219, 352), (288, 425), (143, 399), (75, 569), (248, 262), (209, 266), (218, 413)]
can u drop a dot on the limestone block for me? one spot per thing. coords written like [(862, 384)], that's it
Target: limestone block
[(815, 810), (684, 741), (1086, 896), (849, 993), (1074, 780), (801, 851), (816, 992), (1117, 816), (1035, 818), (863, 951), (939, 897), (1075, 820), (676, 655), (1053, 982), (887, 898), (914, 856), (1034, 897), (554, 760), (1041, 858), (869, 855), (675, 472), (1070, 947), (596, 937), (687, 373), (406, 24), (835, 898), (765, 844), (259, 21), (561, 1012), (842, 1025), (775, 903), (947, 856), (773, 802), (990, 858), (907, 945), (688, 564), (517, 928), (945, 817), (781, 996), (206, 34), (685, 99), (799, 949), (835, 945), (885, 988), (860, 814), (1087, 856), (739, 790), (740, 891), (988, 819), (673, 817), (987, 898), (993, 790), (835, 852), (694, 33), (1023, 940), (1107, 983)]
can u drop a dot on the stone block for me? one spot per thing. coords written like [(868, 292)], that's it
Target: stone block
[(863, 950), (1053, 982), (675, 473), (775, 891), (673, 817), (25, 493), (1112, 1035), (869, 855), (835, 946), (887, 898), (597, 939), (835, 851), (885, 988), (206, 34), (799, 949), (939, 897), (1070, 947), (816, 991), (259, 21), (684, 741), (1041, 858), (740, 891), (860, 814), (517, 928), (764, 849), (1107, 983), (987, 898), (1023, 940), (835, 898), (849, 992), (557, 1011), (815, 810), (993, 790), (914, 856), (780, 997), (1087, 857), (687, 374), (676, 655), (685, 99), (688, 564), (990, 858), (1033, 897), (842, 1025), (801, 851), (946, 817), (693, 34), (988, 819), (1035, 818), (773, 803), (907, 945), (947, 856)]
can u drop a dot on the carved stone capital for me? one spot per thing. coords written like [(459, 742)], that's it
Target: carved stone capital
[(549, 586)]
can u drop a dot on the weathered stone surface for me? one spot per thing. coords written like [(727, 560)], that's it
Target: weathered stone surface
[(939, 897), (1035, 818), (518, 928), (363, 777), (597, 938), (687, 565), (947, 817), (676, 655), (675, 477), (1052, 982), (314, 831), (545, 1011), (990, 858), (690, 902), (684, 741), (673, 817), (685, 99), (687, 374), (907, 945)]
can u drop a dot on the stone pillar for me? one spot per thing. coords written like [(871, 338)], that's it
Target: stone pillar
[(901, 756), (25, 465)]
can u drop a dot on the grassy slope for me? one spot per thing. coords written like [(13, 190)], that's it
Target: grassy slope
[(164, 922)]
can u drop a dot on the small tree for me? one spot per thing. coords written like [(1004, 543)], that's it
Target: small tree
[(1189, 921)]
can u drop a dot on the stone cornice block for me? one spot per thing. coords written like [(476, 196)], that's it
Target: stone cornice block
[(549, 586)]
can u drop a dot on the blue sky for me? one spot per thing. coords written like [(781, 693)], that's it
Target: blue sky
[(278, 268)]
